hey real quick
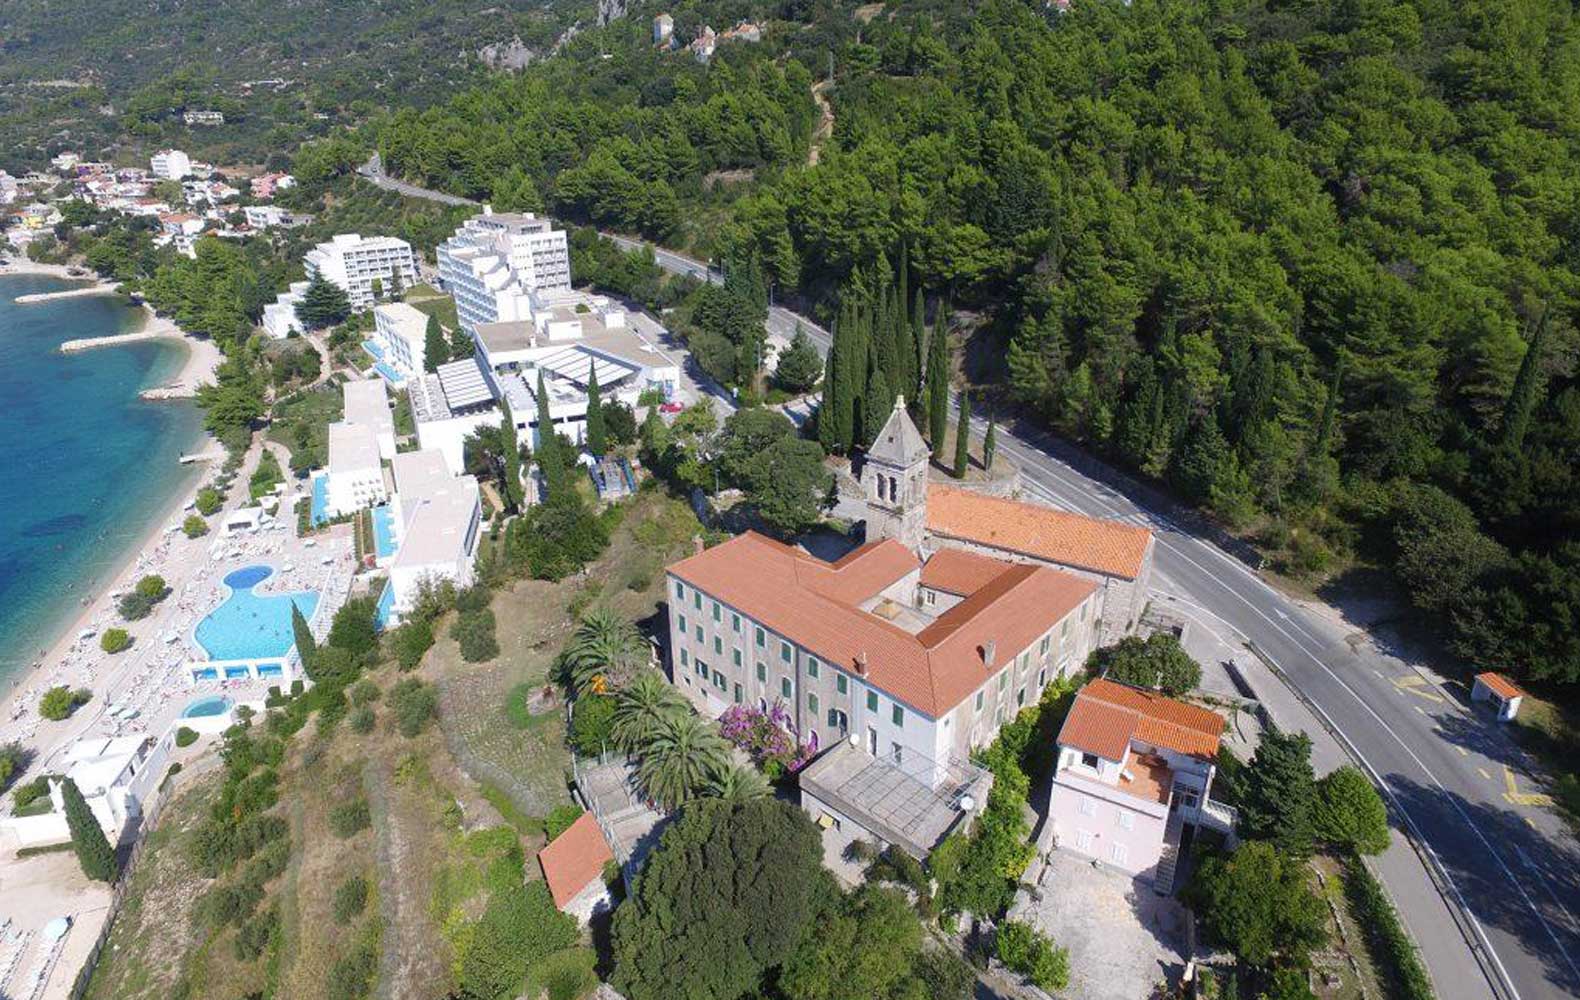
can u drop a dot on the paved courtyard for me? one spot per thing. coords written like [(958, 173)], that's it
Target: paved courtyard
[(1123, 937)]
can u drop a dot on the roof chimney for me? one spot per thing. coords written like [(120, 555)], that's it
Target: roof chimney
[(861, 663), (989, 651)]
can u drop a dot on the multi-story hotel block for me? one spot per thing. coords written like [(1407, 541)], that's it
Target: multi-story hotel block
[(495, 262), (354, 262)]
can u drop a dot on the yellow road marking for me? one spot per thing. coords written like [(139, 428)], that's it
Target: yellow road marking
[(1516, 797), (1416, 684)]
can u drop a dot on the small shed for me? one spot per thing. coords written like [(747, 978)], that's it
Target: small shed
[(1503, 693), (243, 519), (573, 865)]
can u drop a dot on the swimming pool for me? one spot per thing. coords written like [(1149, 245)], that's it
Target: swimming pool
[(250, 626), (320, 509), (394, 377), (202, 708), (384, 530)]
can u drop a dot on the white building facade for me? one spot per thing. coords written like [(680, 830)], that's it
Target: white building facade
[(354, 262), (401, 333), (170, 164), (495, 262)]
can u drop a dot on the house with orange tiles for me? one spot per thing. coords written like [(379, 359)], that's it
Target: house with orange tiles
[(573, 865), (931, 517), (1134, 770), (890, 669)]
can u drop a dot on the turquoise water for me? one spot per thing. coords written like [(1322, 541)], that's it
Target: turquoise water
[(384, 530), (88, 468), (214, 704), (252, 626)]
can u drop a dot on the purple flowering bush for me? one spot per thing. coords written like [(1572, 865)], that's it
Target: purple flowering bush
[(766, 738)]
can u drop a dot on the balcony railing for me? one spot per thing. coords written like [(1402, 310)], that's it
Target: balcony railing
[(1218, 816)]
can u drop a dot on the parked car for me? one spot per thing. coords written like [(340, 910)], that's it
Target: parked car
[(670, 408)]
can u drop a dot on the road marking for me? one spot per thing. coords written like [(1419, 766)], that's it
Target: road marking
[(1462, 751), (1416, 684), (1484, 774), (1516, 797)]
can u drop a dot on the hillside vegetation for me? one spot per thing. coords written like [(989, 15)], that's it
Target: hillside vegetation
[(87, 75), (1311, 265)]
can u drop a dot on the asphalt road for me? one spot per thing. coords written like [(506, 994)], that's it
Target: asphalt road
[(1492, 890)]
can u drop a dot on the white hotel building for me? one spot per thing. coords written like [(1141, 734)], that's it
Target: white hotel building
[(353, 262), (401, 333), (495, 262), (170, 164), (438, 521)]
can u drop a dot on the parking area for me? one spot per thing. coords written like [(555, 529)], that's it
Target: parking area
[(1123, 938)]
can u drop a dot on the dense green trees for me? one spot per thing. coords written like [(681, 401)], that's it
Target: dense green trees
[(1157, 662), (781, 474), (1279, 797), (93, 849), (723, 899), (1349, 812), (1257, 903), (323, 304), (604, 653)]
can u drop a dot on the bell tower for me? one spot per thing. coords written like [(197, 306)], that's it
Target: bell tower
[(895, 480)]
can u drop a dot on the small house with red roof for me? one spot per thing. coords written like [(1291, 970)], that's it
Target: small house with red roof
[(573, 865), (1504, 695), (1134, 768)]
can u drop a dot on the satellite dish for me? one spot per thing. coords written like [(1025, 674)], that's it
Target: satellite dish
[(854, 740), (967, 803)]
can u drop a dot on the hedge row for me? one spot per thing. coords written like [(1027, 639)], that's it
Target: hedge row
[(1386, 937)]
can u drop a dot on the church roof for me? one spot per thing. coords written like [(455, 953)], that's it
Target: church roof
[(899, 443)]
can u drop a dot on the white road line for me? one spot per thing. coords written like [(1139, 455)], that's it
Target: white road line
[(1508, 873)]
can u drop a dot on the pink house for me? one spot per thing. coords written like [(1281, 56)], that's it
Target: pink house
[(1134, 768)]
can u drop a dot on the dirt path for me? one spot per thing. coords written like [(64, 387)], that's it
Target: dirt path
[(825, 124)]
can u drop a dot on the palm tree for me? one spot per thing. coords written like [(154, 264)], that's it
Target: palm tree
[(734, 783), (604, 652), (641, 707), (678, 761)]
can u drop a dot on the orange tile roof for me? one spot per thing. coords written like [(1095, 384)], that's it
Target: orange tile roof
[(814, 604), (1500, 685), (1107, 716), (1088, 543), (960, 572), (574, 859)]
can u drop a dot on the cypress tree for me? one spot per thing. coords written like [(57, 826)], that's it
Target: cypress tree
[(827, 411), (876, 405), (990, 445), (963, 436), (435, 349), (512, 456), (306, 646), (918, 344), (938, 385), (1523, 395), (547, 449), (93, 849), (596, 437)]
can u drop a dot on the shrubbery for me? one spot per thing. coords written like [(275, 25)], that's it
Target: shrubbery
[(413, 704), (115, 640), (350, 818), (1386, 937), (185, 736), (474, 631), (410, 642), (351, 898), (209, 500), (1033, 955), (59, 702), (13, 761), (362, 720), (592, 725)]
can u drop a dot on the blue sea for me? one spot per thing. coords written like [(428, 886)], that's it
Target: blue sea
[(86, 468)]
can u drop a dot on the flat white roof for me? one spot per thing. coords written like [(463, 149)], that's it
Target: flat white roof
[(410, 321), (436, 528), (352, 448), (368, 404), (420, 474)]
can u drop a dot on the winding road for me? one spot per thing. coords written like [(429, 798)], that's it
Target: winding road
[(1488, 877)]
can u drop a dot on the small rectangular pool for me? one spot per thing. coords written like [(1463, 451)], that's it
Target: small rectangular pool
[(320, 509), (384, 531), (394, 377), (373, 348)]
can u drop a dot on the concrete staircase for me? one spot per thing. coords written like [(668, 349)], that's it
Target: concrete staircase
[(1168, 864)]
